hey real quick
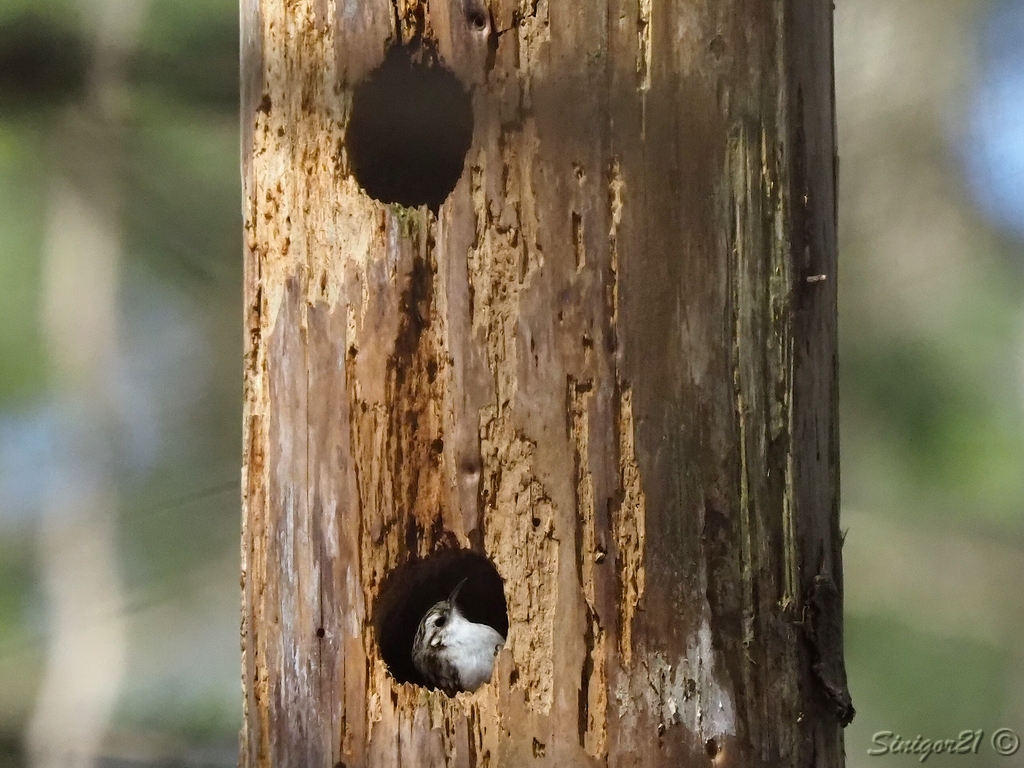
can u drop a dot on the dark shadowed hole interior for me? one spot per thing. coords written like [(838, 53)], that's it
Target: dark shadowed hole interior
[(712, 748), (410, 129), (410, 590)]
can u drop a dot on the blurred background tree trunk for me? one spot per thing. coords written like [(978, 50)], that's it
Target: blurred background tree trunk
[(607, 362), (78, 552)]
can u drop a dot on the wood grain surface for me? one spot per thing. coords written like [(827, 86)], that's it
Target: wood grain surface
[(600, 363)]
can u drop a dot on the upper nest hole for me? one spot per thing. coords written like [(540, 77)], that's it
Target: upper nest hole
[(410, 129)]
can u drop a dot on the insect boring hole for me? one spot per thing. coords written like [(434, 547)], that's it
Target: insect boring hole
[(410, 129), (411, 589)]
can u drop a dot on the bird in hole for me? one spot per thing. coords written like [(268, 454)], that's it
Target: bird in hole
[(451, 652)]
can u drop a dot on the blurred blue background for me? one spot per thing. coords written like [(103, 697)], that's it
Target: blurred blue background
[(120, 375)]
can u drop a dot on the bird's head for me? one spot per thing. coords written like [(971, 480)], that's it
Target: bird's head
[(438, 617)]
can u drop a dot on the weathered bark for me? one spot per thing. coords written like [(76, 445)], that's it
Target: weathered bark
[(607, 363)]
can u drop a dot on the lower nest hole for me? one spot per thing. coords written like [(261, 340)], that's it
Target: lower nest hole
[(410, 590)]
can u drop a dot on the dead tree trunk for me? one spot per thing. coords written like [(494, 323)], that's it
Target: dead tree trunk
[(594, 348)]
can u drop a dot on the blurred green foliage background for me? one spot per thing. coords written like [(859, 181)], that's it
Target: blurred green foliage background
[(931, 126), (166, 152)]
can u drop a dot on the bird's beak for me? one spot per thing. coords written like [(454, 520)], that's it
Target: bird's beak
[(455, 592)]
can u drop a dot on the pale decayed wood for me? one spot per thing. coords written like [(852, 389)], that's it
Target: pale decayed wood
[(600, 364)]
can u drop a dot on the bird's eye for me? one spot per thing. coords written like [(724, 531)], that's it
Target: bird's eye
[(441, 620)]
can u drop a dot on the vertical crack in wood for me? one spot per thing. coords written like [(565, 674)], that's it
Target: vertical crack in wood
[(644, 60), (745, 295), (519, 513), (534, 33), (616, 185), (629, 516), (414, 403), (593, 696), (579, 239), (411, 20), (779, 354), (629, 526)]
